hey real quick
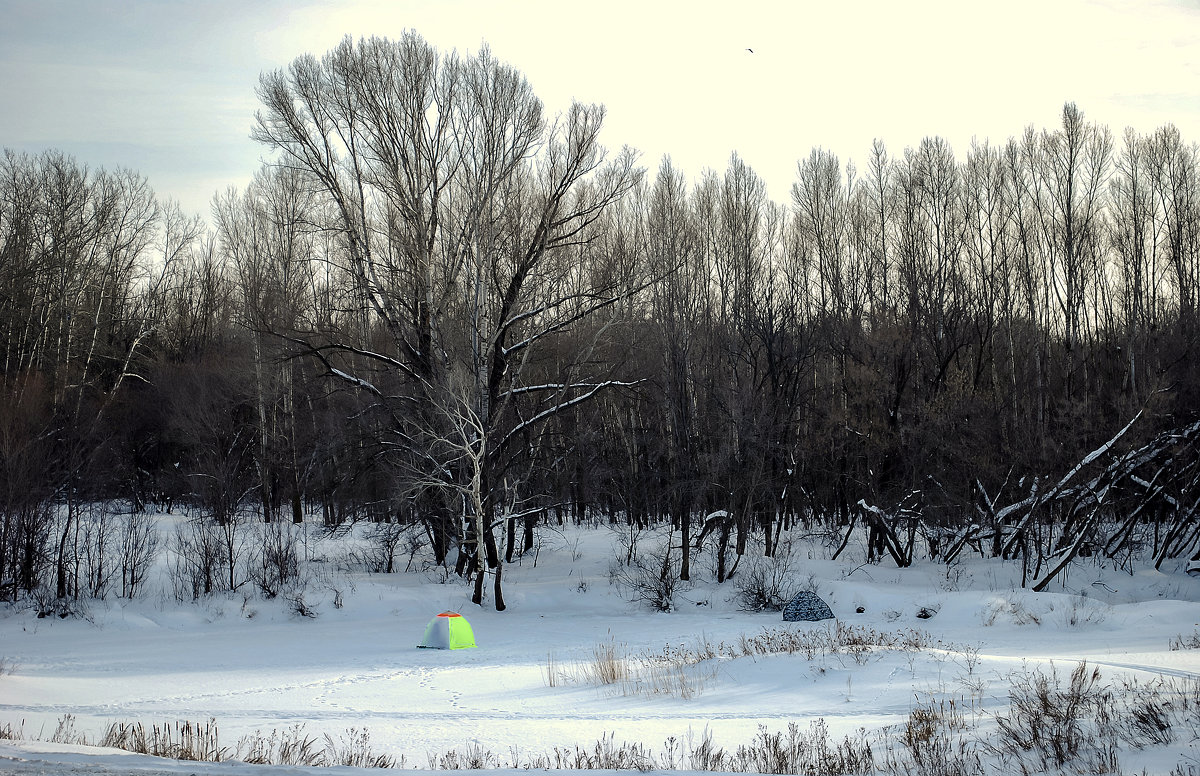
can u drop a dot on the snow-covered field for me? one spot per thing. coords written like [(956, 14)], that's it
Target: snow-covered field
[(254, 666)]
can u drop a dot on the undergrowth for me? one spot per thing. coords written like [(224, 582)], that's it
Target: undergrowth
[(1077, 723), (199, 742), (682, 670)]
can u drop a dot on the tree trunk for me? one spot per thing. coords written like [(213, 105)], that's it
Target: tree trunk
[(297, 505), (497, 592), (530, 522), (722, 545), (685, 532), (510, 539)]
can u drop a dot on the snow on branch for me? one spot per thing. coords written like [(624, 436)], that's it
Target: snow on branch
[(319, 351), (1034, 500), (557, 387), (546, 413), (597, 304), (355, 381)]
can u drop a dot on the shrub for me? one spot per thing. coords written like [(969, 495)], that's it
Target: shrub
[(651, 578), (935, 743), (197, 566), (766, 586), (138, 547), (276, 565), (1050, 721), (301, 608), (385, 541)]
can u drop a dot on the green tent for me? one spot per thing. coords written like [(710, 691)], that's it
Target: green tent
[(449, 630)]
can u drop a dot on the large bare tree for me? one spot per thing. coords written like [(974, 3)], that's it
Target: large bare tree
[(453, 200)]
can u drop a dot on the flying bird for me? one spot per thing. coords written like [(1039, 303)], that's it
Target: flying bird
[(750, 50)]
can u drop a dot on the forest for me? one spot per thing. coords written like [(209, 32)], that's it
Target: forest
[(442, 312)]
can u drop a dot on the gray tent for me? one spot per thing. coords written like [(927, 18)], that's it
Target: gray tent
[(806, 605)]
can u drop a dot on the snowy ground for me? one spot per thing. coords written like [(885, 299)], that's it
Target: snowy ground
[(254, 666)]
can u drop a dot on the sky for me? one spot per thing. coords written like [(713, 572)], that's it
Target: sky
[(167, 88)]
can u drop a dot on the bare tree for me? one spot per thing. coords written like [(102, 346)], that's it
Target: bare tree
[(76, 244), (1175, 177), (678, 302), (452, 199), (1068, 171), (268, 235), (1134, 220)]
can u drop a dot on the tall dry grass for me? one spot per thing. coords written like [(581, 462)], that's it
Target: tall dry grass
[(1054, 723)]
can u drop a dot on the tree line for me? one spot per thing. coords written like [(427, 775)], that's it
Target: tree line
[(440, 309)]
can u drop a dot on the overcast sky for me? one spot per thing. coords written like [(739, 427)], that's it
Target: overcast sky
[(167, 88)]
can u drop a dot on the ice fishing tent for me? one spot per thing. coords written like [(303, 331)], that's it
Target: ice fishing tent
[(449, 630), (806, 605)]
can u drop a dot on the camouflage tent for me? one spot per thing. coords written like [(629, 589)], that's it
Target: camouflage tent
[(806, 605)]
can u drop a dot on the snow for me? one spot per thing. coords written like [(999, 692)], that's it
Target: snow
[(254, 666)]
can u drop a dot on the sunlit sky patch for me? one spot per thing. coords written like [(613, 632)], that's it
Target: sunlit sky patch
[(167, 88)]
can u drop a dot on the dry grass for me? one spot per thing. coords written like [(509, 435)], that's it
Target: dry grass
[(937, 740), (1012, 610), (672, 673), (196, 742), (289, 747), (554, 671), (807, 752), (793, 751), (856, 641), (10, 733), (609, 664), (1077, 724), (353, 749), (670, 680), (683, 670), (473, 757), (295, 747), (606, 754), (65, 733), (199, 742), (1054, 724)]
